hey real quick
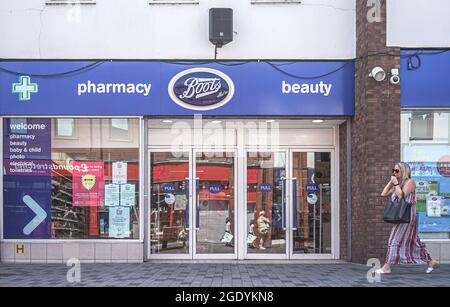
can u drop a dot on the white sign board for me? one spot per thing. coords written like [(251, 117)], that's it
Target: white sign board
[(119, 172), (112, 195), (119, 222), (127, 195), (169, 199), (180, 202)]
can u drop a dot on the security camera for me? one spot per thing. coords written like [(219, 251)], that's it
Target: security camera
[(378, 74), (395, 77), (395, 80)]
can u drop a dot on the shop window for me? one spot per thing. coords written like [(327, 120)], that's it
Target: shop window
[(120, 129), (69, 188), (429, 160), (65, 127), (421, 126)]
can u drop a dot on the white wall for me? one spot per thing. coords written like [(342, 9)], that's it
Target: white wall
[(133, 29), (418, 23)]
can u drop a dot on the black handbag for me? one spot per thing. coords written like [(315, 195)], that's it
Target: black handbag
[(397, 212)]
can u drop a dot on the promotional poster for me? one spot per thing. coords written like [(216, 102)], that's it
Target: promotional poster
[(88, 184), (430, 167), (27, 178)]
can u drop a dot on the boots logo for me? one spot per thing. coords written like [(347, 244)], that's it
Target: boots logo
[(201, 89)]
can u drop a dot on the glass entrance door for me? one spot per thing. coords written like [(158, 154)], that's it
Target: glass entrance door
[(214, 211), (287, 209), (192, 205), (290, 205), (311, 204), (169, 219), (266, 205)]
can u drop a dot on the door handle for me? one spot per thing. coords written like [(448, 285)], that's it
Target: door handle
[(186, 188), (294, 203), (197, 203), (283, 203)]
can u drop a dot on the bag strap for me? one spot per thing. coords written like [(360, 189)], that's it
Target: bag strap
[(403, 193), (404, 198)]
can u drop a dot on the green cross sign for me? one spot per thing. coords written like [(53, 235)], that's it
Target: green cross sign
[(24, 88)]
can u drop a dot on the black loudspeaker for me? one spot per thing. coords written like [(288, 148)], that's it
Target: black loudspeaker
[(220, 26)]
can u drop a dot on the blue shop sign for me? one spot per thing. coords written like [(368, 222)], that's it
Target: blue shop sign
[(139, 88), (215, 188), (424, 79), (169, 188), (312, 188), (265, 187)]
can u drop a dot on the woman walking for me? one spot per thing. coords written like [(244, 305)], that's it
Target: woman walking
[(404, 245)]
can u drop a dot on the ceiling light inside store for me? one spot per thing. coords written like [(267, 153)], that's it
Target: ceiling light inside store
[(216, 121), (167, 121), (317, 121), (270, 121)]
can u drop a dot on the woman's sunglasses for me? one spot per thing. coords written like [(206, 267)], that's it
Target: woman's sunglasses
[(394, 170)]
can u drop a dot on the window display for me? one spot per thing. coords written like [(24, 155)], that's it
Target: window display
[(429, 160), (62, 186)]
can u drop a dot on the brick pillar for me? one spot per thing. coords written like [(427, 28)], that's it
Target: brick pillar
[(375, 137)]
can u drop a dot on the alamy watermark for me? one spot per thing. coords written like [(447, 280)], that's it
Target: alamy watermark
[(74, 273), (374, 12), (372, 275), (215, 137)]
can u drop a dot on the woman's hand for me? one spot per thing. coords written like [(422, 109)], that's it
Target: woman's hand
[(394, 180), (390, 186)]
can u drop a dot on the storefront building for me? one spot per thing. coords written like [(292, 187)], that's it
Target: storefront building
[(127, 161), (137, 141)]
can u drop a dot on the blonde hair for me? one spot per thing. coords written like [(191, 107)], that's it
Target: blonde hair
[(406, 172)]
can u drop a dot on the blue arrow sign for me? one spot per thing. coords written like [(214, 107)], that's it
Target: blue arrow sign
[(40, 217)]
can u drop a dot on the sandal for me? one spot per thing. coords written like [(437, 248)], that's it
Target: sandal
[(382, 271), (432, 268)]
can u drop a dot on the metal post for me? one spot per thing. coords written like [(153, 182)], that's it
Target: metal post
[(320, 218), (145, 166), (349, 189)]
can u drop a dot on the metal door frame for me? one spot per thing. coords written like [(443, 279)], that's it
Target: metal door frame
[(334, 206), (196, 255), (263, 256), (240, 193), (192, 255), (168, 256)]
